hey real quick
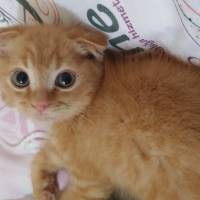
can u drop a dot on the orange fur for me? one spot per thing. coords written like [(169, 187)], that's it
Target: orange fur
[(41, 51), (133, 122)]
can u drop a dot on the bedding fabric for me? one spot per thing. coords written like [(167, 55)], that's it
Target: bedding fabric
[(130, 24)]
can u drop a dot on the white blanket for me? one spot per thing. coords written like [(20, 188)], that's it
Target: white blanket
[(130, 24)]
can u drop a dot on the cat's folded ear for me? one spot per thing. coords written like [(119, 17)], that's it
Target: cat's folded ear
[(7, 36), (91, 43)]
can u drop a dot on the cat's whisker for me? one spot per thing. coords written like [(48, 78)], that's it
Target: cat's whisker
[(61, 106)]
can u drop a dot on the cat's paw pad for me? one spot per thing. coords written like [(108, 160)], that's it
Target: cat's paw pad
[(46, 195)]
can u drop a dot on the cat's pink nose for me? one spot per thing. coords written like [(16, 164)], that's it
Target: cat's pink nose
[(41, 106)]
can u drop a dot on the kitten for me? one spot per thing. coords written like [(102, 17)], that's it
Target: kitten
[(117, 120)]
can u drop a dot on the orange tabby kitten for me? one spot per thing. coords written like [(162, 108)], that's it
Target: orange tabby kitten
[(117, 121)]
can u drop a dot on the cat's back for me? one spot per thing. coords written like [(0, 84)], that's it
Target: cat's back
[(150, 69), (157, 99), (156, 83)]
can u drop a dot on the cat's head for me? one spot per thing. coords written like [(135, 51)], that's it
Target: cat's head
[(50, 72)]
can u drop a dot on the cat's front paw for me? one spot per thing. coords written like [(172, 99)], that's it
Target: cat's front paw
[(46, 188), (46, 195), (50, 186)]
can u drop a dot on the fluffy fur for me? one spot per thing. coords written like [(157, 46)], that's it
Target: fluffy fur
[(132, 122), (42, 52)]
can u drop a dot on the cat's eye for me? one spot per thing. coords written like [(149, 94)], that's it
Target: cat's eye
[(20, 79), (65, 79)]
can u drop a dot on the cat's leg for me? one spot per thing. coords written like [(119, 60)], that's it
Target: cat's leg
[(82, 194), (44, 176), (87, 191)]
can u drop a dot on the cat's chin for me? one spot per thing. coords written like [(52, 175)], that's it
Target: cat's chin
[(47, 118), (44, 118)]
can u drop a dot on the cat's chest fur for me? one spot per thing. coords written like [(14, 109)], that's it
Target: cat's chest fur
[(113, 130)]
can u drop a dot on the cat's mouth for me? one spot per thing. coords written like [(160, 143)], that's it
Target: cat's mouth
[(45, 117), (51, 114), (49, 110)]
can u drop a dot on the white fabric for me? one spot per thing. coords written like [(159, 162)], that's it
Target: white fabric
[(172, 24)]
